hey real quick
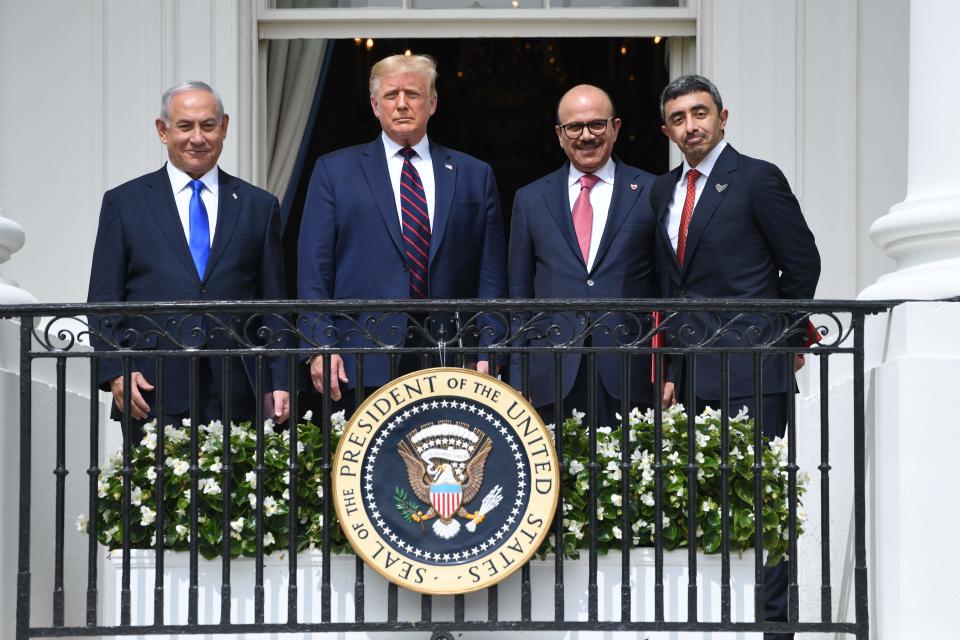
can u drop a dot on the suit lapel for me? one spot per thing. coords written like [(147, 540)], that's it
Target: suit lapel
[(623, 199), (710, 199), (228, 212), (445, 179), (373, 161), (556, 194), (663, 190), (164, 210)]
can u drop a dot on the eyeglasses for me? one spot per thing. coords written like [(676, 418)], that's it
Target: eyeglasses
[(574, 130)]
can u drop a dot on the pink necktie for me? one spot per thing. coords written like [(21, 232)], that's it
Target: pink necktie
[(583, 214), (688, 203)]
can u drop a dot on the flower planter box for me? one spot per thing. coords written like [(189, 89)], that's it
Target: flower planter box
[(177, 570)]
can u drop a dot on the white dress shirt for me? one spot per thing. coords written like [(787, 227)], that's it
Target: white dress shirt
[(182, 192), (680, 191), (600, 196), (421, 162)]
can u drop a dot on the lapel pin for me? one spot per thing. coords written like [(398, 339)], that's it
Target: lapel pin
[(234, 196), (448, 166), (633, 186), (721, 187)]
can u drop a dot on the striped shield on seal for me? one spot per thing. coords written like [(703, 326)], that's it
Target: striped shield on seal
[(445, 498)]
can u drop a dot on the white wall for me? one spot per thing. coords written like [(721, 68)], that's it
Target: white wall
[(82, 82)]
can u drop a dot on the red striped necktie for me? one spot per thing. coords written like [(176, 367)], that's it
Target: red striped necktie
[(416, 225)]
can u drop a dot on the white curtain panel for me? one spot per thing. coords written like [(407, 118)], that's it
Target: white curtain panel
[(293, 70)]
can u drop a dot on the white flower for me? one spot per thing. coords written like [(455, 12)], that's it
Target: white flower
[(647, 498), (616, 500), (269, 506), (308, 415), (286, 494), (237, 525), (111, 532), (209, 486), (152, 473), (575, 527), (613, 470), (320, 491), (147, 516), (338, 422), (286, 477), (182, 530), (217, 466), (186, 495), (576, 467), (577, 416), (149, 441), (803, 478), (252, 498), (617, 533), (268, 539), (599, 512), (136, 496), (102, 486), (268, 427), (179, 466), (153, 539), (251, 478), (82, 522)]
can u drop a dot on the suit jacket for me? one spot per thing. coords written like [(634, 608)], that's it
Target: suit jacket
[(746, 239), (351, 246), (546, 262), (141, 255)]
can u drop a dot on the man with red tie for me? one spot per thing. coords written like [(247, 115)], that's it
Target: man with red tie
[(584, 231), (399, 217), (730, 227)]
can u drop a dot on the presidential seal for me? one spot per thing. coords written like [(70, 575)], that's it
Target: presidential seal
[(445, 481)]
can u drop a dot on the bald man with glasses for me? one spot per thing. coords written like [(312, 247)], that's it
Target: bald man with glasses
[(584, 231)]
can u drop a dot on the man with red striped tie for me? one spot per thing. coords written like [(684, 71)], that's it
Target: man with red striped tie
[(399, 217)]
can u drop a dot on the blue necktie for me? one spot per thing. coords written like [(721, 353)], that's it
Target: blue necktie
[(416, 225), (199, 229)]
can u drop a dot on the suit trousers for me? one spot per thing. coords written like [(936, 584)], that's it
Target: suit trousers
[(776, 577)]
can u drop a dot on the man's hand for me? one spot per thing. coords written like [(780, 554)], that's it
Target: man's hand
[(669, 397), (483, 366), (276, 404), (799, 361), (337, 375), (138, 406)]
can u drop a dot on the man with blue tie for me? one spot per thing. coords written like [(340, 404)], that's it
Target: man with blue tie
[(730, 227), (584, 231), (186, 232), (400, 217)]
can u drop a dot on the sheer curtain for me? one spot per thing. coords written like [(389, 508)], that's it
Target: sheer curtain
[(293, 70)]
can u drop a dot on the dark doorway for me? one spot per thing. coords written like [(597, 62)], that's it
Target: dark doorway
[(497, 101)]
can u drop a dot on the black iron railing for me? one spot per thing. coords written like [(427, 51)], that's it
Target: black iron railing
[(261, 338)]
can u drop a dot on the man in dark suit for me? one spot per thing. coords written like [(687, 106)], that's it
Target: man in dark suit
[(188, 231), (584, 231), (730, 227), (399, 217)]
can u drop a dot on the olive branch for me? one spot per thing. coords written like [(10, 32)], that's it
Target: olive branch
[(406, 505)]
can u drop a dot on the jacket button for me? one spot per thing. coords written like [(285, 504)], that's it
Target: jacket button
[(203, 289), (589, 283)]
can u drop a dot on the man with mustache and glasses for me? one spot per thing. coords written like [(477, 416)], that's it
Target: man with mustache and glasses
[(584, 231), (730, 227)]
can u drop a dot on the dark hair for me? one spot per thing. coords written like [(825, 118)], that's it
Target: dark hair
[(685, 85)]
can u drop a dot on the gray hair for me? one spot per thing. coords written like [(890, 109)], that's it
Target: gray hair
[(192, 85), (420, 64), (685, 85)]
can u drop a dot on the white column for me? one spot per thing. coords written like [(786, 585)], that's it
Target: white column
[(11, 241), (922, 233)]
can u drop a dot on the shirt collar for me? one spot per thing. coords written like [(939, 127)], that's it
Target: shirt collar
[(605, 173), (393, 148), (706, 165), (179, 180)]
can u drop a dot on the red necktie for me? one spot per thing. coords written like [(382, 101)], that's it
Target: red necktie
[(583, 214), (688, 203), (416, 225)]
